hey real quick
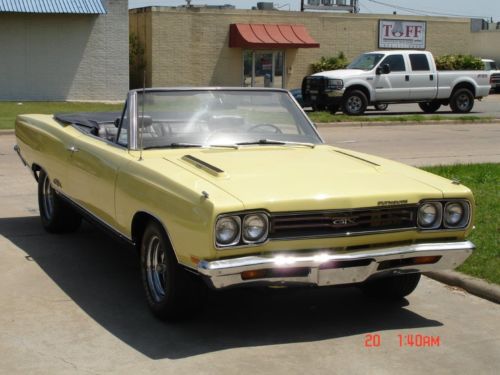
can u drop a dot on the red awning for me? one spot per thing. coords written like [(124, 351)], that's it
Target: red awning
[(262, 36)]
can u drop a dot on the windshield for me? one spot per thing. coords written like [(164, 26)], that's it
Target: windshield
[(366, 61), (202, 118)]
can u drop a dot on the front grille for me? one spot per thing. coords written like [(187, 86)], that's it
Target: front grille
[(315, 84), (342, 223), (495, 78)]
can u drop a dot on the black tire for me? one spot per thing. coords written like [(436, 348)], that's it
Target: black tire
[(355, 103), (333, 108), (172, 292), (462, 101), (391, 288), (57, 215), (429, 107), (381, 106)]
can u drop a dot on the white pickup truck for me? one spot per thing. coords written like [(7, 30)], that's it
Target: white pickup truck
[(383, 77)]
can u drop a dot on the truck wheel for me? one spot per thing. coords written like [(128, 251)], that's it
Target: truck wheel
[(462, 101), (391, 288), (429, 107), (381, 106), (57, 216), (171, 292), (355, 103)]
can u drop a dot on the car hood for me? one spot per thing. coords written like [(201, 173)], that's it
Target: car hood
[(341, 73), (302, 178)]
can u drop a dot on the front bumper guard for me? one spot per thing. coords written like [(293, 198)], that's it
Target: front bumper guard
[(326, 267)]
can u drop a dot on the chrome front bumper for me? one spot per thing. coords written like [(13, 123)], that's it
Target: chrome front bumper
[(328, 267)]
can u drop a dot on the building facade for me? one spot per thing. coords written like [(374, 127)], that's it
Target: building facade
[(49, 51), (194, 47)]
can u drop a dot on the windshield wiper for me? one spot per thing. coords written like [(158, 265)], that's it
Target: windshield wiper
[(275, 142)]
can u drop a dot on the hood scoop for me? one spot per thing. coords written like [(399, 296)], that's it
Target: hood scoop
[(198, 163)]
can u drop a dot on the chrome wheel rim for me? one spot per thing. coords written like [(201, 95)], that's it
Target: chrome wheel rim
[(463, 102), (47, 198), (354, 104), (156, 268)]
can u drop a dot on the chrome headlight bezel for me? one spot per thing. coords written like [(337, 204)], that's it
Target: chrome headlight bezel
[(265, 231), (242, 240), (465, 218), (236, 239), (436, 223)]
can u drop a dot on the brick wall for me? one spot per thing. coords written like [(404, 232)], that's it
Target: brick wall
[(65, 56), (190, 47)]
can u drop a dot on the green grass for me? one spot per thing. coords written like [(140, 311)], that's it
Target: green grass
[(9, 110), (484, 181), (327, 117)]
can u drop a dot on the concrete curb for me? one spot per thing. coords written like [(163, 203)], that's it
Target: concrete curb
[(361, 124), (470, 284), (6, 131)]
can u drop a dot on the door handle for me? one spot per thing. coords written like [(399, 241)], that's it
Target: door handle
[(407, 78), (431, 77), (72, 149)]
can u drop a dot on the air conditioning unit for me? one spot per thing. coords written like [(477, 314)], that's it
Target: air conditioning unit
[(265, 6)]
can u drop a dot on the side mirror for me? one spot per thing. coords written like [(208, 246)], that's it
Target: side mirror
[(117, 122)]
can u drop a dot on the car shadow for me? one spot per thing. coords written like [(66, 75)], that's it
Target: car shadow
[(102, 277)]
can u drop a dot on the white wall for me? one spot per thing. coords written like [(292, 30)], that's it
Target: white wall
[(65, 56)]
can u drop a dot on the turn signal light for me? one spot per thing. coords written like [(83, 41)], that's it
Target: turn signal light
[(253, 274), (426, 260)]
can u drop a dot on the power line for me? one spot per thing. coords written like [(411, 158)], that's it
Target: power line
[(423, 12)]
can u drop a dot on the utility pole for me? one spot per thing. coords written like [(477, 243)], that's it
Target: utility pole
[(301, 5)]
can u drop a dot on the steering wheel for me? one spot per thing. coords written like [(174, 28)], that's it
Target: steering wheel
[(265, 125)]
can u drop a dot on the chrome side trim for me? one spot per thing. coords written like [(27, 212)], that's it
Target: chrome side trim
[(321, 267)]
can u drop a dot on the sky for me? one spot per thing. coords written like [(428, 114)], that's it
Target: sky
[(467, 8)]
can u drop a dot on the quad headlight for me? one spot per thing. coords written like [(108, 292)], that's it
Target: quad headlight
[(228, 230), (255, 228), (241, 229), (452, 214), (429, 215), (456, 214)]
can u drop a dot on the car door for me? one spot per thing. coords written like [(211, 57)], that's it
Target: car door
[(395, 85), (423, 80), (93, 170)]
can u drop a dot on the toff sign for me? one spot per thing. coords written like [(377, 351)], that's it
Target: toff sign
[(401, 34)]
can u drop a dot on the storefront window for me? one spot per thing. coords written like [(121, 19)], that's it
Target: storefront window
[(263, 68)]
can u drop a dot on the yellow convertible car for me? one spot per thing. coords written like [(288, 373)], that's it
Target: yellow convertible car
[(233, 187)]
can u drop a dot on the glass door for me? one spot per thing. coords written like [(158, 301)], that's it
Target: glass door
[(263, 68)]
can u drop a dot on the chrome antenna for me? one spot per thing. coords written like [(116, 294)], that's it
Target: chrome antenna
[(141, 130)]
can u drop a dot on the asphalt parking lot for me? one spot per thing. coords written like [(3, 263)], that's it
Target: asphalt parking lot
[(74, 303)]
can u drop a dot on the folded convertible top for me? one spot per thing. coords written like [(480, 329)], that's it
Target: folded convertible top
[(88, 119)]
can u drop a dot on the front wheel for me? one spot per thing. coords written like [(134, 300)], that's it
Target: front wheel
[(462, 101), (57, 216), (355, 103), (429, 107), (391, 288), (171, 292)]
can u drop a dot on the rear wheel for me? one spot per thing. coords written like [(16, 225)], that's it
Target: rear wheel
[(171, 292), (355, 103), (391, 288), (429, 107), (462, 101), (57, 215)]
